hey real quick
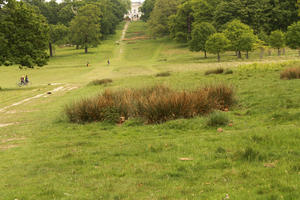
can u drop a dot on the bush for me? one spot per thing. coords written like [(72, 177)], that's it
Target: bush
[(290, 73), (163, 74), (228, 71), (7, 63), (214, 71), (27, 61), (155, 104), (217, 119), (100, 82)]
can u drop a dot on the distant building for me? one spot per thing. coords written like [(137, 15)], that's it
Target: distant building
[(134, 14)]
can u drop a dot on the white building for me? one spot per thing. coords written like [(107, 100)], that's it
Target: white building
[(134, 14)]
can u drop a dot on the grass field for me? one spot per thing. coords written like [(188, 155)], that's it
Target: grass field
[(43, 156)]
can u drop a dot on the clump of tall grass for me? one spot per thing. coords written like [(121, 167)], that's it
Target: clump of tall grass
[(290, 73), (214, 71), (163, 74), (100, 82), (155, 104), (217, 119)]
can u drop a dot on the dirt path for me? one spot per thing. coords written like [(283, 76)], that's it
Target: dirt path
[(123, 37)]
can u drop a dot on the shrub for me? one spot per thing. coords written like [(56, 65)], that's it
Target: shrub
[(163, 74), (228, 71), (27, 61), (155, 104), (214, 71), (217, 119), (100, 82), (7, 63), (290, 73)]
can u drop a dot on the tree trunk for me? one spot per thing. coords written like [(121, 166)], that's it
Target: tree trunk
[(283, 51), (269, 52), (239, 54), (279, 52), (85, 49), (247, 54), (219, 59), (77, 46), (50, 49), (205, 56)]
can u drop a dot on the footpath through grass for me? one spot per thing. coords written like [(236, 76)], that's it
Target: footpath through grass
[(43, 156)]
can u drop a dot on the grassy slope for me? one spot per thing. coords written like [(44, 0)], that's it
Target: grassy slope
[(58, 160)]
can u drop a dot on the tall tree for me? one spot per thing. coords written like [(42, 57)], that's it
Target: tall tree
[(26, 34), (234, 32), (216, 44), (58, 35), (293, 36), (85, 27), (146, 9), (200, 35), (277, 40), (158, 22)]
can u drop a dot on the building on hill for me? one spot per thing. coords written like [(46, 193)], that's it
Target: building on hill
[(134, 14)]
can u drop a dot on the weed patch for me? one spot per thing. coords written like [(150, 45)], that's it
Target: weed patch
[(217, 119), (100, 82), (156, 104), (214, 71), (163, 74), (290, 73)]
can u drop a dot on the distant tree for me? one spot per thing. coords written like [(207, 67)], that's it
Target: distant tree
[(85, 27), (293, 36), (146, 9), (203, 10), (180, 24), (234, 32), (58, 35), (200, 35), (247, 42), (277, 40), (158, 22), (24, 34), (216, 44)]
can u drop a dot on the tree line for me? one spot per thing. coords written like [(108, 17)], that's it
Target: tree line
[(28, 28), (216, 26)]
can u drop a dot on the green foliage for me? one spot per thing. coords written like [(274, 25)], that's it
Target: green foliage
[(200, 35), (24, 34), (216, 44), (146, 9), (203, 10), (85, 27), (158, 21), (217, 118), (240, 35), (293, 36), (277, 40)]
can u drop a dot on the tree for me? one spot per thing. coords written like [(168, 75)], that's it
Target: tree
[(146, 9), (25, 33), (58, 34), (216, 44), (247, 42), (293, 36), (158, 22), (200, 34), (234, 32), (180, 24), (85, 27), (277, 40), (203, 11)]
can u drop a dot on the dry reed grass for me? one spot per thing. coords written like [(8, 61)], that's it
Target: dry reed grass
[(290, 73)]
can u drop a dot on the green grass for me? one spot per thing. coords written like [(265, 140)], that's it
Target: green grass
[(54, 159)]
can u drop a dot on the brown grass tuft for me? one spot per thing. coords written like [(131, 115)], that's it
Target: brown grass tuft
[(100, 82), (214, 71), (290, 73), (155, 104)]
